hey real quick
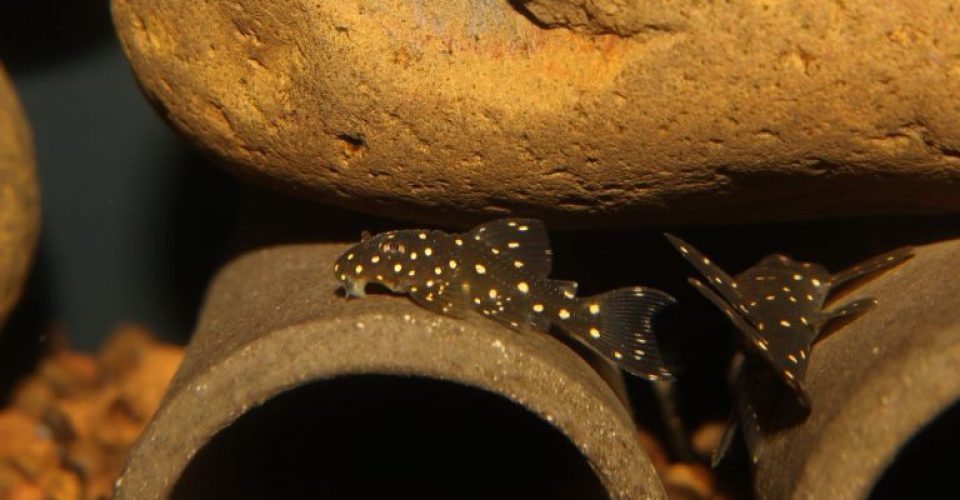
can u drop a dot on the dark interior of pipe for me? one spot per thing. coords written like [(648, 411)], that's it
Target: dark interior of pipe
[(373, 437), (927, 464)]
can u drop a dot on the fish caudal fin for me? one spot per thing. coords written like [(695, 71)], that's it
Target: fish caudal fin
[(619, 325), (870, 266)]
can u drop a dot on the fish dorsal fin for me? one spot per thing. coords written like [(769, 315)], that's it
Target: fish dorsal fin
[(718, 278), (522, 242)]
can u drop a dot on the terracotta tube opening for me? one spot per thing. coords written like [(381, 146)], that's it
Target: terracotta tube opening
[(379, 436), (923, 461), (881, 386), (290, 390)]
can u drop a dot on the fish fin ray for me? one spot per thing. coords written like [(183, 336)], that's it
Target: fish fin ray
[(726, 441), (755, 343), (856, 307), (848, 311), (879, 263), (725, 284), (747, 331), (512, 318), (523, 242), (749, 426), (623, 323)]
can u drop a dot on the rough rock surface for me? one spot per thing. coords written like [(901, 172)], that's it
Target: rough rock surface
[(19, 201), (613, 112)]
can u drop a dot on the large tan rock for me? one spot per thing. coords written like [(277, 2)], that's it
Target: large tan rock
[(599, 112), (19, 200)]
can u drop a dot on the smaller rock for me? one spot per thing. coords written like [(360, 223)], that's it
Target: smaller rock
[(123, 350), (707, 437), (19, 199), (654, 448), (70, 374), (26, 445), (70, 426), (144, 386), (33, 397), (684, 480)]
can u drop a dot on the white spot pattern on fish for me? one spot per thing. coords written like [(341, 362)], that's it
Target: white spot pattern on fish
[(510, 285), (768, 294)]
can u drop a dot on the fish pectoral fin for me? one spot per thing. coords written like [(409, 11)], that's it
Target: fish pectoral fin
[(429, 299), (723, 447), (870, 266), (750, 427), (355, 288), (523, 243), (441, 300), (846, 312), (445, 297), (619, 326)]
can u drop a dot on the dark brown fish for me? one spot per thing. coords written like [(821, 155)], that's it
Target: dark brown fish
[(500, 270), (776, 307)]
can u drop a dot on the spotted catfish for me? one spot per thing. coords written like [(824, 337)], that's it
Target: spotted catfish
[(500, 270), (777, 308), (777, 305)]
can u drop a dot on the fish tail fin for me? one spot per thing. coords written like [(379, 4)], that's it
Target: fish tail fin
[(870, 266), (619, 325)]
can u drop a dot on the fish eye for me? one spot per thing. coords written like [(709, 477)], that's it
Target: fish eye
[(389, 247)]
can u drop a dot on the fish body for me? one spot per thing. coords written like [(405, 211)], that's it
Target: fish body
[(500, 270), (777, 308)]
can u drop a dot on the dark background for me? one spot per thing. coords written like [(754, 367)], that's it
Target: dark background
[(113, 177)]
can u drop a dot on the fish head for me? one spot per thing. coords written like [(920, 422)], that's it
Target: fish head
[(384, 259)]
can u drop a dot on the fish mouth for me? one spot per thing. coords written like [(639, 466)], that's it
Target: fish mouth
[(355, 288)]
